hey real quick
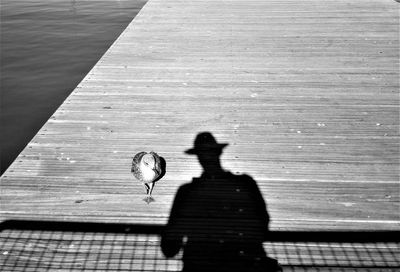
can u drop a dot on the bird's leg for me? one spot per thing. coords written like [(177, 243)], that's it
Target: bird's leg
[(148, 199), (146, 188), (151, 188)]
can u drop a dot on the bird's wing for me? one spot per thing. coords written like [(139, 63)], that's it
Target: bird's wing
[(136, 160), (157, 162)]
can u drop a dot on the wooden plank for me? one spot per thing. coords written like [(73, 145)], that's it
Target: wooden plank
[(304, 92)]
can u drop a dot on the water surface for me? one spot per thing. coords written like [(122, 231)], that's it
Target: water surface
[(47, 47)]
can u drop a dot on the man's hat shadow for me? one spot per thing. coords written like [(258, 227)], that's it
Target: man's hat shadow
[(219, 219)]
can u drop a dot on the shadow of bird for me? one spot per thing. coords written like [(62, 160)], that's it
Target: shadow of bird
[(148, 168)]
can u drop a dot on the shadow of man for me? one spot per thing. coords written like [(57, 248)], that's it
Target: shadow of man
[(219, 219)]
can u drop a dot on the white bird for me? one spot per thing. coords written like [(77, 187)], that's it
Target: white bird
[(147, 168)]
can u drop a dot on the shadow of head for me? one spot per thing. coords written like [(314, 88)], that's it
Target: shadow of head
[(208, 151)]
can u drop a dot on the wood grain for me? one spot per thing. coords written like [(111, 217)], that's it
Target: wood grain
[(304, 92)]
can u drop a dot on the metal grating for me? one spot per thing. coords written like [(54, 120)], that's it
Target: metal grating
[(59, 246)]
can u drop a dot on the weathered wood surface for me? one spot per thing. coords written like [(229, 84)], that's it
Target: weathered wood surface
[(304, 92)]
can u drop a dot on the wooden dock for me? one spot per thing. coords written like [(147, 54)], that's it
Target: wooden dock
[(305, 93)]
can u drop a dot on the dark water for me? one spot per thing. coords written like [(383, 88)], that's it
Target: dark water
[(47, 47)]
